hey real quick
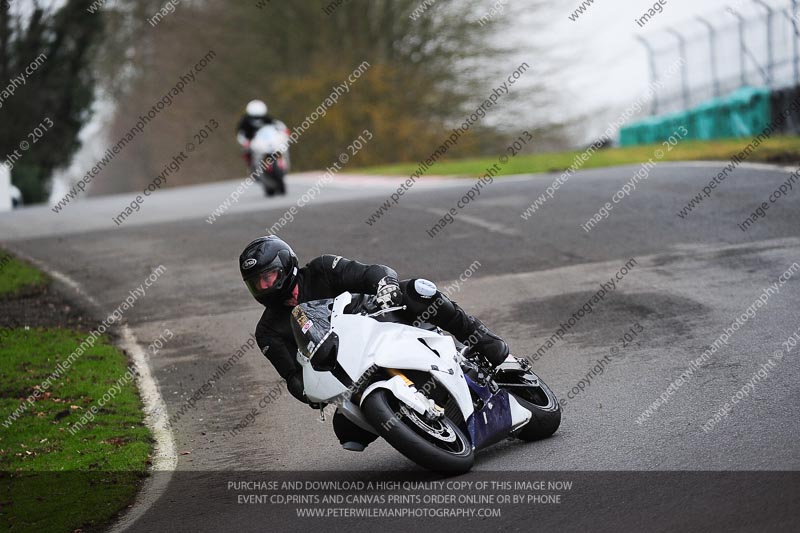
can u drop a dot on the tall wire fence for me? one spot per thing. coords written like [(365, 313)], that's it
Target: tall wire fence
[(751, 43)]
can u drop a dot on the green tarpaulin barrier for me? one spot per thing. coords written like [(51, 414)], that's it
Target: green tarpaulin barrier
[(743, 113)]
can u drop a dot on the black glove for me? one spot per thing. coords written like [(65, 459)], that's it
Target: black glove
[(295, 385), (388, 293)]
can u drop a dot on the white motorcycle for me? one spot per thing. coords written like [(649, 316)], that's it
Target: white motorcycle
[(269, 157), (413, 386)]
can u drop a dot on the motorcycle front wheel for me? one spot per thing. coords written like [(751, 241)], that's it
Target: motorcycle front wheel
[(437, 445)]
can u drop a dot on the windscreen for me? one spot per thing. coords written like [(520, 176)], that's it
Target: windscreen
[(311, 322)]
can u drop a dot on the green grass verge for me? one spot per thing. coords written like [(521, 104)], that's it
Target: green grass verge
[(50, 478), (776, 149), (16, 275)]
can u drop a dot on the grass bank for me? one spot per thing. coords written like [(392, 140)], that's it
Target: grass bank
[(73, 446), (784, 150)]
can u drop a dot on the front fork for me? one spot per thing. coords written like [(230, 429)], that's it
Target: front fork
[(405, 391)]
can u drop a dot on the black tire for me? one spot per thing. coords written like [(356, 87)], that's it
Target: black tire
[(278, 175), (269, 190), (381, 408), (281, 184), (539, 400)]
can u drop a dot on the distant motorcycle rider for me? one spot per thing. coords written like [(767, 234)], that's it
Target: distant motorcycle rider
[(255, 118), (270, 270)]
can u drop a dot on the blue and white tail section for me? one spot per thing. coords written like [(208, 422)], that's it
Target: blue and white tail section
[(497, 418)]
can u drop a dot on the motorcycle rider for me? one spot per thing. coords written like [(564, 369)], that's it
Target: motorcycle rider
[(276, 164), (255, 118), (270, 270)]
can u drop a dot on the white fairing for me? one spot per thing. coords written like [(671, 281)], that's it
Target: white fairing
[(320, 386), (519, 415), (270, 139), (364, 342)]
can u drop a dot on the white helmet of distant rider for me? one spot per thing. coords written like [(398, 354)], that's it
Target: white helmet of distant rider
[(257, 108)]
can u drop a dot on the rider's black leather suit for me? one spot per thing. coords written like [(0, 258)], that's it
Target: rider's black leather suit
[(248, 126)]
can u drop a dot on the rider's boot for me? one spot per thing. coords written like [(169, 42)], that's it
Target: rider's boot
[(482, 342), (351, 437), (426, 301), (486, 344)]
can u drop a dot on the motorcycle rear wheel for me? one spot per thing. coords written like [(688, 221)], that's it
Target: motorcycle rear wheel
[(539, 400), (439, 446)]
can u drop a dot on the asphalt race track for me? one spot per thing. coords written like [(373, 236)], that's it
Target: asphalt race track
[(690, 280)]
